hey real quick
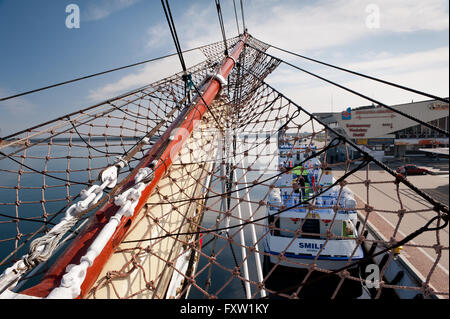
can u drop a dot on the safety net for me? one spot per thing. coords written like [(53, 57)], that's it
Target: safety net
[(264, 200)]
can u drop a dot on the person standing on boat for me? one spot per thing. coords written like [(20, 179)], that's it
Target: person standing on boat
[(301, 182)]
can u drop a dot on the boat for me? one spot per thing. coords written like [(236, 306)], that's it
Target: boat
[(314, 223)]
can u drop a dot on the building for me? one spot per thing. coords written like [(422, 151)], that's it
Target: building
[(383, 130)]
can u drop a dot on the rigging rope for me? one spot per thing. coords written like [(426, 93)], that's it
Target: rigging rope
[(361, 74), (222, 27), (97, 74), (187, 78), (173, 31), (227, 228), (243, 18), (436, 204), (236, 16), (358, 94)]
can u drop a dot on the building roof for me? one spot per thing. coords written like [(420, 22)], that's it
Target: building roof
[(439, 151)]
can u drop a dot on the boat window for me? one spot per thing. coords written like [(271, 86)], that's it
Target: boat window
[(286, 227), (311, 226), (335, 229), (340, 228), (348, 229), (276, 231)]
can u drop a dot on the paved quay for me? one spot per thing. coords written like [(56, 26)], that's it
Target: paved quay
[(386, 202)]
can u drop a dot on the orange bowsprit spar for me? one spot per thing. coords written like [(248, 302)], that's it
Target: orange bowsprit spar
[(162, 157)]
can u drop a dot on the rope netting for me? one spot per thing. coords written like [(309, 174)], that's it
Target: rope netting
[(257, 204)]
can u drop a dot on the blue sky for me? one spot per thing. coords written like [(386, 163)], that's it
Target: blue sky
[(410, 47)]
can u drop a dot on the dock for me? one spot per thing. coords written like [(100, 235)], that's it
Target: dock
[(426, 262)]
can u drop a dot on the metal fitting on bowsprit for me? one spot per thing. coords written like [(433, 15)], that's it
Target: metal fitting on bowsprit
[(219, 78), (150, 171)]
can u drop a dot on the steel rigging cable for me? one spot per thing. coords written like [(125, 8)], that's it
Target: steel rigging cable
[(356, 93), (98, 74), (360, 74), (243, 19), (173, 31), (424, 195), (187, 78), (222, 28), (95, 74), (235, 15)]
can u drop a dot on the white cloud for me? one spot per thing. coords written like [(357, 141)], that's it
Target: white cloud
[(426, 71), (388, 63), (413, 15), (148, 74), (383, 64), (157, 36), (328, 23), (18, 112), (197, 26), (103, 8), (16, 105), (314, 26)]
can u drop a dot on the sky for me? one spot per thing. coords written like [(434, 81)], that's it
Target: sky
[(403, 41)]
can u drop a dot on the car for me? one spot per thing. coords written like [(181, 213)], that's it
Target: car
[(412, 170)]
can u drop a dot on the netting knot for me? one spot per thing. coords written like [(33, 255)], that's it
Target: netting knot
[(392, 241), (260, 286), (191, 280), (272, 226), (312, 266), (399, 178), (360, 240), (150, 285), (426, 289), (281, 257), (401, 213), (344, 274), (438, 248)]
